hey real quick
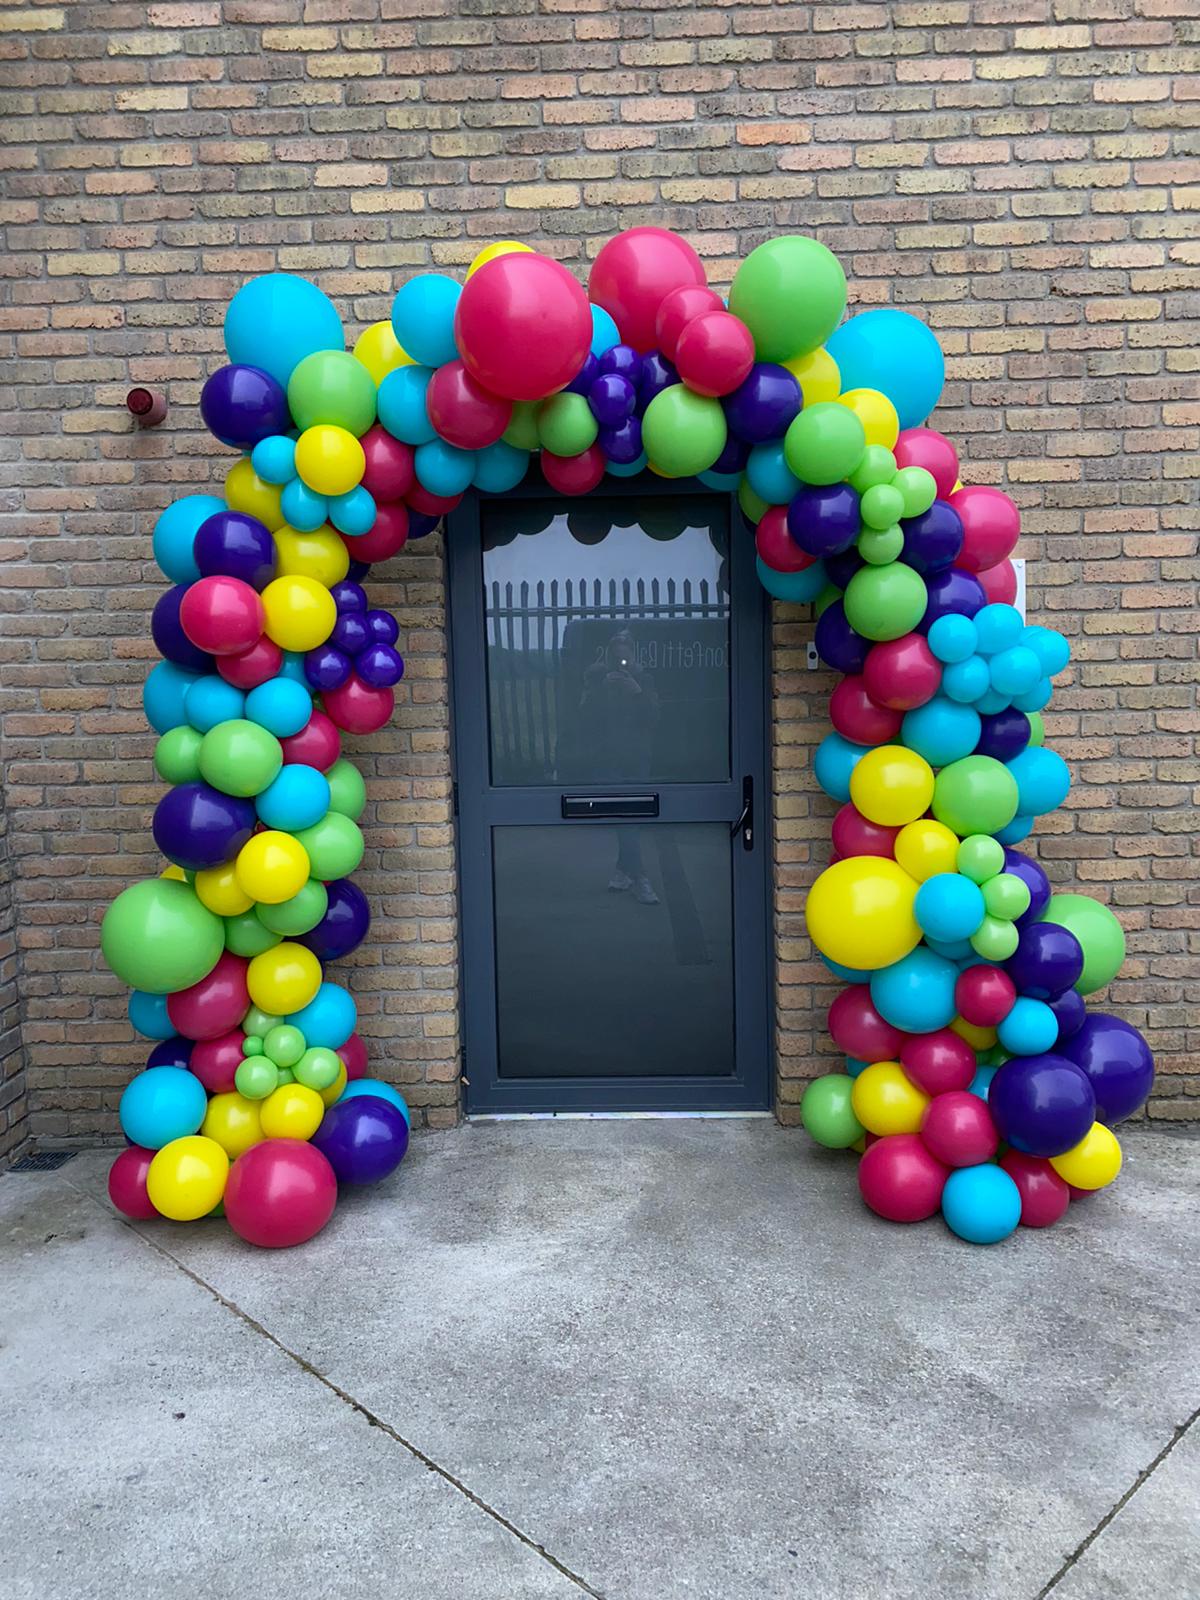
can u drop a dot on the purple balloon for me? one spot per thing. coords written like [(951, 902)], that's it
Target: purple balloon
[(380, 665), (1034, 879), (327, 667), (837, 643), (360, 569), (622, 444), (344, 925), (349, 596), (1118, 1063), (1070, 1010), (585, 377), (733, 457), (932, 540), (1042, 1105), (363, 1139), (230, 544), (612, 399), (382, 627), (824, 520), (197, 826), (624, 360), (242, 405), (419, 524), (1047, 961), (169, 638), (656, 374), (951, 593), (839, 569), (350, 633), (1003, 735), (173, 1052), (763, 404)]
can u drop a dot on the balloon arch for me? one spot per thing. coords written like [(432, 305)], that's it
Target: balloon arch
[(975, 1082)]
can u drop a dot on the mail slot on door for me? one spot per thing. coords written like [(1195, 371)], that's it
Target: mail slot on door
[(609, 805)]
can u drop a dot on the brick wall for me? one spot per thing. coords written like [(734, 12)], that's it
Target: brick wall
[(1020, 172)]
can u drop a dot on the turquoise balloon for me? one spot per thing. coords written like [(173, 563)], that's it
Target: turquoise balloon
[(847, 974), (604, 331), (423, 318), (501, 466), (401, 404), (949, 906), (380, 1090), (941, 731), (442, 468), (1036, 699), (304, 509), (981, 1204), (952, 949), (991, 701), (292, 667), (295, 799), (210, 700), (998, 627), (281, 706), (1043, 780), (894, 352), (834, 761), (1016, 830), (1014, 671), (148, 1014), (1050, 647), (164, 695), (966, 681), (916, 994), (1029, 1029), (982, 1082), (768, 474), (353, 513), (627, 469), (854, 1066), (175, 535), (797, 587), (329, 1017), (274, 459), (727, 482), (952, 638), (161, 1104), (273, 322)]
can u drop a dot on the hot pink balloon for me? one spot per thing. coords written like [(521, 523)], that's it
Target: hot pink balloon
[(357, 707), (523, 326), (353, 1056), (574, 474), (1044, 1195), (957, 1129), (900, 1180), (127, 1183), (214, 1061), (464, 413), (984, 995), (999, 583), (859, 718), (214, 1005), (938, 1062), (251, 667), (714, 353), (859, 1030), (926, 447), (775, 545), (632, 276), (903, 673), (318, 744), (680, 307), (389, 471), (853, 835), (221, 615), (991, 523), (386, 536), (429, 504)]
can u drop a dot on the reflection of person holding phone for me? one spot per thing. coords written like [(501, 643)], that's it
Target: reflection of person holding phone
[(619, 711)]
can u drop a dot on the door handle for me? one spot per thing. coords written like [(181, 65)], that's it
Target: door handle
[(745, 823)]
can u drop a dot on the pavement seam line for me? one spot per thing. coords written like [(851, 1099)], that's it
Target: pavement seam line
[(1114, 1511), (348, 1399)]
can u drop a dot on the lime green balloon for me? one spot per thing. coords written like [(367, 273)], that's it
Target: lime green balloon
[(824, 443), (752, 504), (826, 1112), (285, 1045), (246, 936), (334, 845), (347, 791), (298, 915), (827, 596), (158, 937), (239, 757), (1037, 728), (256, 1078), (881, 546), (1006, 896), (995, 939), (790, 292), (885, 602), (683, 433), (881, 506), (331, 386), (177, 755), (878, 465), (252, 1045), (918, 488), (1100, 935), (980, 857), (975, 795), (317, 1068), (522, 430), (256, 1024), (566, 425), (285, 1075)]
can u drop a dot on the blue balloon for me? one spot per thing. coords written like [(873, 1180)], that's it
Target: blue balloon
[(353, 513), (627, 469), (161, 1104), (981, 1204), (990, 702), (401, 405), (304, 509), (1043, 780), (329, 1017), (381, 1090), (297, 798), (175, 534), (148, 1014), (834, 761), (949, 906), (847, 974), (1014, 671), (273, 322), (292, 666), (1019, 828), (604, 331), (423, 318), (442, 468), (274, 458), (941, 731), (769, 475), (966, 681), (982, 1082), (916, 994), (953, 950), (726, 482), (210, 700), (1050, 647), (1029, 1029), (894, 352), (796, 587), (500, 466), (1035, 699), (999, 628), (164, 694), (281, 706), (953, 638), (854, 1066)]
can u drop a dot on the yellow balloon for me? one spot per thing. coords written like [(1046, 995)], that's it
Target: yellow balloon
[(219, 890), (885, 1101), (271, 867), (329, 459), (291, 1112), (321, 555), (502, 247), (379, 350), (300, 612), (174, 873), (186, 1179), (876, 413), (234, 1122), (892, 785), (860, 913), (978, 1038), (284, 978), (1092, 1163), (245, 491), (925, 848), (817, 374), (335, 1088)]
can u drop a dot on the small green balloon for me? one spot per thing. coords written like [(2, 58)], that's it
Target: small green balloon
[(156, 936), (878, 465), (252, 1045), (335, 846), (827, 597), (258, 1023), (285, 1075), (347, 791), (827, 1113), (885, 602), (881, 546), (980, 857), (918, 489), (256, 1078), (566, 425), (298, 915), (1037, 728), (177, 755), (239, 757), (975, 795), (331, 386), (1006, 896), (246, 936), (824, 443), (994, 939), (752, 504), (285, 1044), (1100, 935), (683, 433), (317, 1068), (522, 430), (790, 292), (881, 506)]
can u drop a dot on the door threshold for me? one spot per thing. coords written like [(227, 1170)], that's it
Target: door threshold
[(614, 1116)]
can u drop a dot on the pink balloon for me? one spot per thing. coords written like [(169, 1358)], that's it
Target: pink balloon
[(775, 545), (903, 673), (984, 995), (385, 537), (251, 667), (523, 326), (574, 474), (214, 1061), (214, 1005), (925, 447), (714, 353), (221, 615), (938, 1062), (957, 1129), (429, 504), (680, 307), (632, 276), (991, 523), (999, 583), (853, 835), (280, 1193), (859, 718), (464, 413), (127, 1183), (353, 1056), (357, 707), (389, 470), (900, 1180), (1044, 1195), (859, 1030), (318, 744)]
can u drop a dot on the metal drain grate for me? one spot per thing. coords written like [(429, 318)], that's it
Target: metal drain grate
[(43, 1161)]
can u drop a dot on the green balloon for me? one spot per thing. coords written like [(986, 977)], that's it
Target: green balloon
[(827, 596), (347, 791), (881, 506), (331, 386), (824, 443), (239, 757), (980, 857), (157, 936), (246, 936), (285, 1075), (298, 915), (334, 845), (177, 755), (317, 1068), (752, 504), (256, 1078), (257, 1023), (252, 1045), (826, 1112), (878, 465), (995, 939), (683, 433), (790, 293), (566, 425), (885, 602), (918, 489), (285, 1044), (522, 430), (1006, 896), (1100, 935), (881, 546), (1037, 728), (975, 795)]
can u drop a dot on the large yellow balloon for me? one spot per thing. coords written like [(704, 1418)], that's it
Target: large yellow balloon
[(329, 459), (892, 785), (219, 890), (291, 1112), (860, 913), (1092, 1163), (321, 554), (925, 848), (187, 1177), (271, 867), (284, 978), (502, 247), (885, 1101), (234, 1122), (245, 491), (300, 613), (817, 374), (379, 350), (876, 413)]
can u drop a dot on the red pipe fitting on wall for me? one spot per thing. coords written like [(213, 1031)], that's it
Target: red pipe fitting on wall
[(147, 407)]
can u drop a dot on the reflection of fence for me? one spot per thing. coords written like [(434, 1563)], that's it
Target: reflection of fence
[(526, 625)]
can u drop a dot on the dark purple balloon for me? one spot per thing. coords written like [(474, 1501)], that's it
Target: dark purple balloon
[(348, 596), (173, 1052), (1048, 960), (419, 524), (1003, 735), (586, 376), (197, 826), (656, 374), (382, 627), (951, 593), (824, 520), (733, 457), (380, 665), (837, 643), (363, 1139), (932, 540), (1034, 879), (1070, 1010), (622, 444), (169, 638), (327, 667), (1118, 1063), (360, 569), (344, 925), (1042, 1105), (230, 544), (242, 405), (612, 399), (624, 360), (350, 633), (763, 404), (841, 568)]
